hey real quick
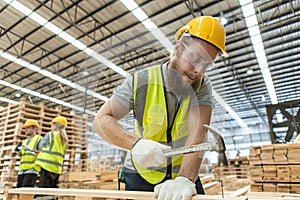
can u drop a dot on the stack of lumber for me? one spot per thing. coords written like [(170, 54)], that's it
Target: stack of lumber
[(232, 182), (275, 168), (228, 184), (238, 167), (106, 179), (14, 116)]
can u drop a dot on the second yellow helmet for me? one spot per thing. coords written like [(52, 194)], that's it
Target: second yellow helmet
[(60, 119)]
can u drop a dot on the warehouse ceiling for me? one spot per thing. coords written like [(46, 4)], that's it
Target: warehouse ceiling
[(78, 51)]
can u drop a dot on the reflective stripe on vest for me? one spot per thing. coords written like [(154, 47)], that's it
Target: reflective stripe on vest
[(27, 157), (151, 115), (51, 158)]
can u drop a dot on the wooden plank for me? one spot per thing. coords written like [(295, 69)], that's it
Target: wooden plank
[(271, 195), (84, 198), (207, 179), (241, 191), (212, 188), (113, 194), (26, 196), (82, 176)]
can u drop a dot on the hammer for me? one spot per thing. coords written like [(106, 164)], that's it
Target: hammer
[(217, 144)]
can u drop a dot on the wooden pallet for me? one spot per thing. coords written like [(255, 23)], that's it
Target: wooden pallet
[(14, 116)]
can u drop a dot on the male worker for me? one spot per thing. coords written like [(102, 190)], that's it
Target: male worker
[(28, 152), (171, 102)]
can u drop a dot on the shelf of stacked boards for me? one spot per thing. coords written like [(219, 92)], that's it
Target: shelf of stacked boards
[(275, 168)]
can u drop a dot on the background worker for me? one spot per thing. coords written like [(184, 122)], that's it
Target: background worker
[(28, 151), (53, 147), (171, 102)]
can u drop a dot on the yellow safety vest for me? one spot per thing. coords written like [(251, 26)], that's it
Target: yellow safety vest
[(51, 158), (151, 114), (27, 157)]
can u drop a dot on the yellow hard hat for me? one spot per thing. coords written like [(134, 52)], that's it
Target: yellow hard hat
[(207, 28), (30, 122), (60, 119)]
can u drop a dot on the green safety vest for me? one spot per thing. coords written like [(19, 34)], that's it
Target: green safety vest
[(151, 114), (51, 158), (27, 157)]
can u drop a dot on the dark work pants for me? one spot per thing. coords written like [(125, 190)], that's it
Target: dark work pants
[(48, 179), (134, 182), (26, 180)]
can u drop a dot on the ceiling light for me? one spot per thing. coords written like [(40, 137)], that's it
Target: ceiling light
[(5, 83), (67, 37), (42, 96), (223, 21), (23, 9), (38, 18), (46, 73), (50, 75), (85, 73), (16, 87), (159, 35), (247, 7), (251, 21), (257, 42), (54, 29), (8, 56), (33, 67), (237, 137), (92, 93), (8, 100), (149, 25), (130, 4), (108, 63), (79, 45), (139, 14), (249, 71)]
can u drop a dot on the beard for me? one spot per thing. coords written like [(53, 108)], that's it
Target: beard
[(177, 84)]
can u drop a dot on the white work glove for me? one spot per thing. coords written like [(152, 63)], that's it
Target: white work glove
[(180, 188), (148, 153)]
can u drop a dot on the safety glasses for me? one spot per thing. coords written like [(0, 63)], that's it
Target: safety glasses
[(196, 55)]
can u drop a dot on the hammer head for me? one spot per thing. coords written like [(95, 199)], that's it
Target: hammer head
[(218, 145)]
